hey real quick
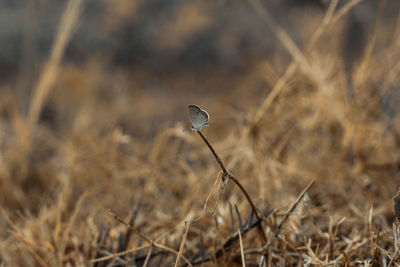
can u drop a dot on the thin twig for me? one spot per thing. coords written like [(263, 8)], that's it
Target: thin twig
[(146, 261), (67, 27), (259, 227), (153, 243), (182, 244), (245, 194), (292, 208), (395, 232), (329, 19), (230, 242), (394, 257), (345, 9), (221, 164), (114, 259), (109, 257), (241, 248), (228, 175), (119, 219), (206, 202), (280, 33)]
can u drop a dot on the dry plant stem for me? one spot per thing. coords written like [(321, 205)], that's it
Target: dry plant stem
[(119, 219), (206, 202), (228, 175), (294, 205), (292, 208), (228, 244), (49, 75), (182, 244), (68, 229), (394, 257), (153, 243), (282, 35), (395, 232), (221, 164), (246, 195), (148, 257), (241, 248), (329, 19), (32, 246), (120, 254)]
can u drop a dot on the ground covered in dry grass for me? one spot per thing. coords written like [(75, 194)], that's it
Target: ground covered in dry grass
[(99, 166)]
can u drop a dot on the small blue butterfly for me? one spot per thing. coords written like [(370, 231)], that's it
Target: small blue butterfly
[(199, 117)]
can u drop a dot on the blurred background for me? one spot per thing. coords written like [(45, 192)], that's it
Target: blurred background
[(142, 51), (93, 114)]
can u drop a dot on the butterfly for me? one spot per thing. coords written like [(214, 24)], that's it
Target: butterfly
[(199, 117)]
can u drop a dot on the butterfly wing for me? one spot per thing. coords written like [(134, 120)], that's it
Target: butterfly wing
[(199, 117)]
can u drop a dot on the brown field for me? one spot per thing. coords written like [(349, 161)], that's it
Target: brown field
[(99, 165)]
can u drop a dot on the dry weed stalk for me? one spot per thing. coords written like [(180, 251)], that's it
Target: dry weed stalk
[(226, 176), (232, 240), (182, 244), (329, 19), (49, 75), (147, 239), (199, 120), (291, 209), (241, 249), (396, 208)]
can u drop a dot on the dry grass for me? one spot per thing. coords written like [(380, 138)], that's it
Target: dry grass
[(103, 170)]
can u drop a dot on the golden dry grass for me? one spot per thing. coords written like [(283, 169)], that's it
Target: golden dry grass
[(103, 169)]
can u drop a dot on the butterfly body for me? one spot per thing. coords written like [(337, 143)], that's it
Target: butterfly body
[(199, 117)]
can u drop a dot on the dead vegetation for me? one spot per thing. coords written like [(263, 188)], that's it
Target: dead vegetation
[(100, 168)]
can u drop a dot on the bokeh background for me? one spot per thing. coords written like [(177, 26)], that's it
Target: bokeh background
[(93, 116)]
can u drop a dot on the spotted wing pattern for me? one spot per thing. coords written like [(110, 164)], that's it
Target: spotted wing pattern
[(199, 117)]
